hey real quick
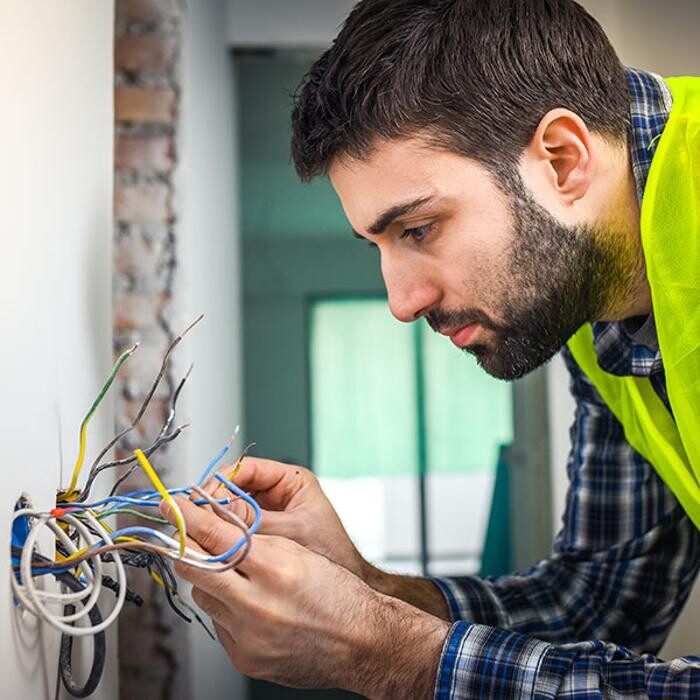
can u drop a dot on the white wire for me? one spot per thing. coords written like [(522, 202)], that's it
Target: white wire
[(90, 577), (18, 590), (28, 579), (32, 598), (29, 596), (33, 602)]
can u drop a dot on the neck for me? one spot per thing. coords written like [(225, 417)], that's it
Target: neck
[(633, 297)]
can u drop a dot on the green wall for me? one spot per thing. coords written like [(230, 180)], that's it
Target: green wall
[(275, 204)]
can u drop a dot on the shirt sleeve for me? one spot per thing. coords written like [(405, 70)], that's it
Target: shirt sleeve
[(622, 565), (484, 662)]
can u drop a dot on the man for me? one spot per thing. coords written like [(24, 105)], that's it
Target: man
[(497, 154)]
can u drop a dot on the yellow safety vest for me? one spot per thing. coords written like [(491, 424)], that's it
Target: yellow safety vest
[(670, 229)]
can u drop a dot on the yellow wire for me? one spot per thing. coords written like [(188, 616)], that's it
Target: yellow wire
[(235, 471), (70, 491), (180, 521), (67, 560)]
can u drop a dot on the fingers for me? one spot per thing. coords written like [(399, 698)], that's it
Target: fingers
[(273, 483), (213, 534)]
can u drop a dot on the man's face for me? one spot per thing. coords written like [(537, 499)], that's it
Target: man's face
[(491, 269)]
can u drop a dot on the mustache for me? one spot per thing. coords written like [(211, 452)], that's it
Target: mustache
[(440, 320)]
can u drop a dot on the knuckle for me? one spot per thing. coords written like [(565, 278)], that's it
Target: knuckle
[(206, 602), (213, 538), (288, 573)]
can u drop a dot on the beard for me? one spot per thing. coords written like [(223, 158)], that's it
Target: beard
[(555, 279)]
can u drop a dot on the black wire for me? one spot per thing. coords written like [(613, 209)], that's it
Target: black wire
[(131, 596), (161, 440), (169, 590), (148, 397), (122, 479), (99, 654), (173, 403), (65, 660)]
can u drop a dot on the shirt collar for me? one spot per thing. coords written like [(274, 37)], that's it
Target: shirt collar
[(619, 350)]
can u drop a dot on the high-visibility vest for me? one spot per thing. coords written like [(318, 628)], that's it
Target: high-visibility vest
[(670, 230)]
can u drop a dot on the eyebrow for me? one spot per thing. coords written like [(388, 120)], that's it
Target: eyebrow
[(388, 216)]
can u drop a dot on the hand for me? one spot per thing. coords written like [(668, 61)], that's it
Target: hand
[(289, 615), (295, 507)]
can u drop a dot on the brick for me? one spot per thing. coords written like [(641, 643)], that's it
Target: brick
[(136, 257), (137, 311), (145, 203), (148, 105), (145, 53), (147, 10), (148, 156), (139, 372)]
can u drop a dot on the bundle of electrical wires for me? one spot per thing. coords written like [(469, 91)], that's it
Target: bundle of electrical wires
[(91, 556)]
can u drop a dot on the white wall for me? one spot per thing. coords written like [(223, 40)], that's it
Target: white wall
[(210, 280), (56, 128)]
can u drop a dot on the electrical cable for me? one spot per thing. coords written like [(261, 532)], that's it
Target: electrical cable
[(174, 507), (99, 653), (173, 403), (161, 440), (83, 427), (85, 546), (149, 395)]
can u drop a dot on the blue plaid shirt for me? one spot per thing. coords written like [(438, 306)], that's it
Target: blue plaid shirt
[(625, 559)]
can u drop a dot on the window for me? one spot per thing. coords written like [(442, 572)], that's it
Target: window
[(405, 433)]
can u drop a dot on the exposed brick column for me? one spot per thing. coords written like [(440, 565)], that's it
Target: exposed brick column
[(147, 56)]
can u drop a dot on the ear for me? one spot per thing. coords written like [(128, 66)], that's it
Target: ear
[(559, 156)]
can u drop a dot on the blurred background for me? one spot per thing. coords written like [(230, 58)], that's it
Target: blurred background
[(434, 467)]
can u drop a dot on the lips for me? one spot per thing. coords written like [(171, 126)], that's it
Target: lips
[(462, 336)]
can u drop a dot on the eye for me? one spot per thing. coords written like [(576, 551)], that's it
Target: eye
[(418, 233)]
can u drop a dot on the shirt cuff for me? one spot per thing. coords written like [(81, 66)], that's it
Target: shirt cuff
[(485, 662), (468, 599)]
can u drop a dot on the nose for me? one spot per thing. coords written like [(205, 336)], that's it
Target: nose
[(410, 291)]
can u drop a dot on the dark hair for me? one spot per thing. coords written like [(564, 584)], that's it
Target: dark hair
[(473, 76)]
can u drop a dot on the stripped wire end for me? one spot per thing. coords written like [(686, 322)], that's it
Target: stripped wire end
[(238, 465)]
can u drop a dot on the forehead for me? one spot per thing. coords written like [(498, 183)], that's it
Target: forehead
[(401, 170)]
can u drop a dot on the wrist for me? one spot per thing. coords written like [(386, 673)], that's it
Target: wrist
[(421, 593), (375, 578), (401, 652)]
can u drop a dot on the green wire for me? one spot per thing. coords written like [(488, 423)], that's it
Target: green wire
[(115, 370), (83, 426), (130, 511)]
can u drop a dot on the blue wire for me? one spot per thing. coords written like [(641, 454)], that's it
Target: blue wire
[(212, 465), (252, 529), (151, 498), (213, 559)]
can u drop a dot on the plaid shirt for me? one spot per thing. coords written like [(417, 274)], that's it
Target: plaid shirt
[(624, 561)]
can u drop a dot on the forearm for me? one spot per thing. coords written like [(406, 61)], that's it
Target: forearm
[(421, 593), (401, 655)]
